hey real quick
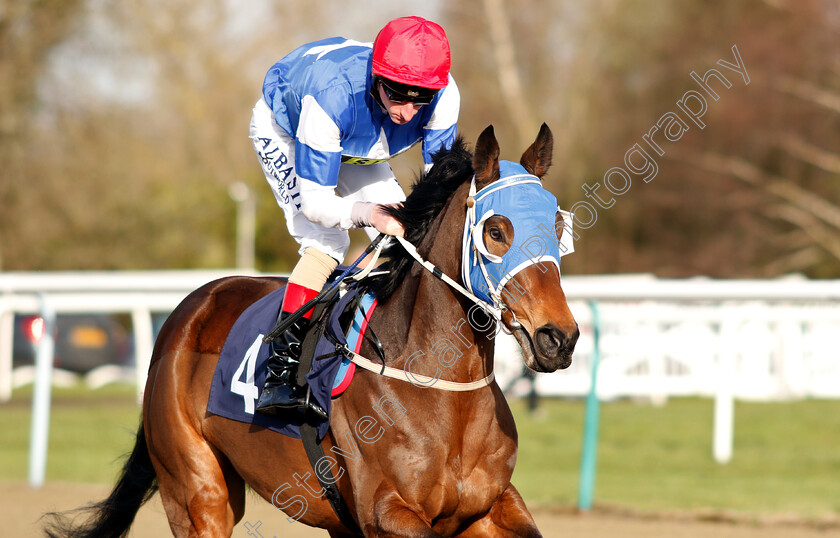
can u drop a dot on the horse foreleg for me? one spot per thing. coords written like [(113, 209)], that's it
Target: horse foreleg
[(508, 517), (393, 518)]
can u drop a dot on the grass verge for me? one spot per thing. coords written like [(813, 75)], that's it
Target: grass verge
[(786, 455), (785, 458)]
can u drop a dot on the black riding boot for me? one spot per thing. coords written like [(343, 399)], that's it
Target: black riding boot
[(281, 396)]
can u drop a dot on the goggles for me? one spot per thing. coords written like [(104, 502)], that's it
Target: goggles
[(402, 93)]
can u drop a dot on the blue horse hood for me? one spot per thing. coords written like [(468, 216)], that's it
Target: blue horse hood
[(532, 210)]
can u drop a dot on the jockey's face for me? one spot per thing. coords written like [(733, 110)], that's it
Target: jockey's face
[(400, 112)]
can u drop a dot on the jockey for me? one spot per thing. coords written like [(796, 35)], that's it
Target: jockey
[(332, 114)]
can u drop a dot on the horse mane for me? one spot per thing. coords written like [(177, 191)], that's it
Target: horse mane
[(450, 169)]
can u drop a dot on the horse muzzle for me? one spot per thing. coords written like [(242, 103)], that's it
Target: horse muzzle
[(549, 348)]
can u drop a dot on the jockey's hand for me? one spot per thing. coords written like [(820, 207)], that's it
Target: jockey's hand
[(385, 223)]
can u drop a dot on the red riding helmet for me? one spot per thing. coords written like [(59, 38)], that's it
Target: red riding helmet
[(412, 51)]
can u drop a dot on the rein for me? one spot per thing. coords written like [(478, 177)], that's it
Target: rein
[(435, 270), (493, 305), (494, 310), (422, 380), (404, 375)]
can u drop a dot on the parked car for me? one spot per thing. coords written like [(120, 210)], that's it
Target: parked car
[(82, 341)]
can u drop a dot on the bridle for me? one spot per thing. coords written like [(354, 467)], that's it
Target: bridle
[(474, 255)]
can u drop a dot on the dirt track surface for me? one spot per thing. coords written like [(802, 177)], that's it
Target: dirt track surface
[(22, 506)]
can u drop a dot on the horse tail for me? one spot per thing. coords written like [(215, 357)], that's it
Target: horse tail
[(112, 517)]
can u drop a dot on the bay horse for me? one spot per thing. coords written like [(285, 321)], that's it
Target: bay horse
[(409, 460)]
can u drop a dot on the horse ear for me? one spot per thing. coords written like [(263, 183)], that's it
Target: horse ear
[(486, 158), (537, 158)]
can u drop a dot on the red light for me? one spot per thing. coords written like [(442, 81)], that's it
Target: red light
[(33, 328)]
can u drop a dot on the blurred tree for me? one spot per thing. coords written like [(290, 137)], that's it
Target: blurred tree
[(28, 32), (123, 124), (749, 194), (140, 122)]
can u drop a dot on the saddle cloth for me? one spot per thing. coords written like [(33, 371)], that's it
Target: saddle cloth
[(241, 370)]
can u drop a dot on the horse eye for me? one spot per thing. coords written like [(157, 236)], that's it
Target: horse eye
[(497, 235)]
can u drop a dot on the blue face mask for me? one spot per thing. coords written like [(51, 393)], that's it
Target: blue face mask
[(532, 210)]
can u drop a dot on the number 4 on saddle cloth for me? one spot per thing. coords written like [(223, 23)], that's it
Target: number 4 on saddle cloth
[(241, 370)]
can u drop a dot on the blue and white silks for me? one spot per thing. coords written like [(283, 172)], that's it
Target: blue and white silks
[(320, 94), (531, 209)]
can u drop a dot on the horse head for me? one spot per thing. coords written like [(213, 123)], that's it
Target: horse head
[(515, 243)]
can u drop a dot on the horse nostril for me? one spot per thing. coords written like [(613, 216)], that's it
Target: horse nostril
[(550, 340)]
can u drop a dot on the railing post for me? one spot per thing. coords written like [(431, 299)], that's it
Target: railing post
[(589, 456), (141, 319), (7, 331), (40, 429), (724, 421)]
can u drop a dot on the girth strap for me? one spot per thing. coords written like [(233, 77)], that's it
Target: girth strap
[(309, 433), (315, 452)]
